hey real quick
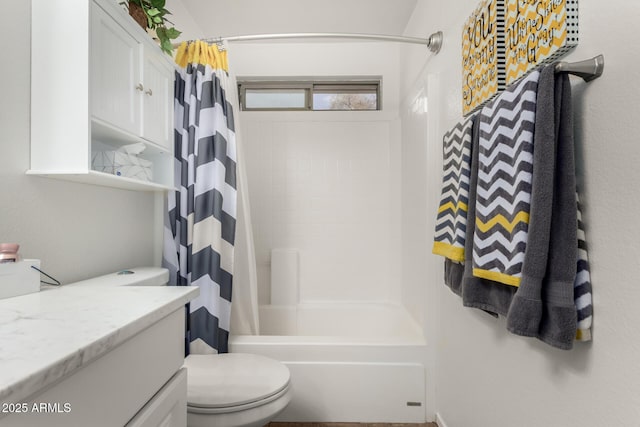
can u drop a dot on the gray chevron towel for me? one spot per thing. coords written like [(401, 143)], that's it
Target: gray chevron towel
[(451, 222), (582, 284), (504, 183)]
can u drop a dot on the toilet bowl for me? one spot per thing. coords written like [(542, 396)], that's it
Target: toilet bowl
[(235, 390)]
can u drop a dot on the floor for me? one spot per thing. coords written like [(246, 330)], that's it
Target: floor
[(350, 425)]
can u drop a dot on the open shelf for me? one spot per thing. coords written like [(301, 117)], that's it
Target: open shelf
[(103, 179)]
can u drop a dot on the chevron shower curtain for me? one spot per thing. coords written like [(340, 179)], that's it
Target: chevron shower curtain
[(200, 224)]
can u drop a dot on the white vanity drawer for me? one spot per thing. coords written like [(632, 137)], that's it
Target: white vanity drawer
[(168, 408)]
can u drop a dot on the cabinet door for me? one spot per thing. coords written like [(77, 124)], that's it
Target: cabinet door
[(115, 73), (158, 100)]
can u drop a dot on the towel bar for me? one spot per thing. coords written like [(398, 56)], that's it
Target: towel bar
[(588, 69)]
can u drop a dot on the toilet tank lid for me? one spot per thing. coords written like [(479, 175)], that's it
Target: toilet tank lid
[(232, 379), (137, 276)]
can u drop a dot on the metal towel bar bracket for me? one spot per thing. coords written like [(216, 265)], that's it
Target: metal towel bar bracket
[(588, 69)]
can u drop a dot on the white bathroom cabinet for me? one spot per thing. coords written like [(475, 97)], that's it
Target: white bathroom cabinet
[(137, 384), (98, 82)]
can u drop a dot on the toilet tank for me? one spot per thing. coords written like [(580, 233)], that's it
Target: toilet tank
[(139, 276)]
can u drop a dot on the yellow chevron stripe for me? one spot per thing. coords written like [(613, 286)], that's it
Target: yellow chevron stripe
[(461, 206), (515, 73), (489, 89), (454, 253), (503, 221), (497, 277), (546, 51)]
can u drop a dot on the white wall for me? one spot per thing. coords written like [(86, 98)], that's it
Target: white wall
[(77, 230), (325, 183), (484, 376), (183, 21)]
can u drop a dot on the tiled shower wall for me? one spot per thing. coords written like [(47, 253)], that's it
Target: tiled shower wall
[(328, 188)]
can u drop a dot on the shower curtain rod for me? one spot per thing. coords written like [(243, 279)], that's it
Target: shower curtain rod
[(433, 42)]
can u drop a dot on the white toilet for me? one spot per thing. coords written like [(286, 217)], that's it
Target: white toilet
[(235, 390), (223, 390)]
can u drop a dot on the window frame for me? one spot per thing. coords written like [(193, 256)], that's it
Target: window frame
[(311, 85)]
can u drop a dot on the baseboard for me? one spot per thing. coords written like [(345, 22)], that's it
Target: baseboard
[(440, 421)]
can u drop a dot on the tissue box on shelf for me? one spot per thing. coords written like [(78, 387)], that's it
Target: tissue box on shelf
[(18, 278), (123, 162)]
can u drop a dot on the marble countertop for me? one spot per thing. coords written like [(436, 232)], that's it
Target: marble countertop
[(45, 336)]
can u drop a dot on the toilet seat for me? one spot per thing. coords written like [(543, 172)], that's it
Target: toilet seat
[(233, 382), (238, 408)]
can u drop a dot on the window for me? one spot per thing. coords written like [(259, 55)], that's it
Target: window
[(275, 98), (309, 94)]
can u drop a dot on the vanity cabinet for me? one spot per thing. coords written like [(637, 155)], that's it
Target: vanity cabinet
[(99, 82), (140, 383)]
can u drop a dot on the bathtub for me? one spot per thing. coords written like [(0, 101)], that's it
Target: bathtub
[(351, 362)]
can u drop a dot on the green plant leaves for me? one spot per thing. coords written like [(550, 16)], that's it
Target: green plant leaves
[(166, 46), (158, 4), (172, 33), (156, 20), (165, 35)]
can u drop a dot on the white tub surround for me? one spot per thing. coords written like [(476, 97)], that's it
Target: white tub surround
[(50, 336), (285, 286)]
